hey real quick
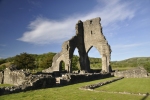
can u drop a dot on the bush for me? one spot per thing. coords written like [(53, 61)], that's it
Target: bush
[(2, 67), (147, 67)]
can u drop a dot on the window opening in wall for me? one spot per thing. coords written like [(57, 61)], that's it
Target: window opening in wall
[(62, 66), (90, 21), (91, 33)]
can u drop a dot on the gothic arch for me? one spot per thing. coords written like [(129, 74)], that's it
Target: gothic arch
[(61, 65)]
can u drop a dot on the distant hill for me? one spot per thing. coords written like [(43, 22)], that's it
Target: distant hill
[(95, 63), (132, 62)]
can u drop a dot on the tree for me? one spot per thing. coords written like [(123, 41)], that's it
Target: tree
[(2, 61), (75, 62), (46, 62), (24, 61)]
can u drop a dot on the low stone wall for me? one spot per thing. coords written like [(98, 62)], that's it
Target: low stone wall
[(33, 82), (24, 81), (77, 78), (1, 77), (14, 77), (93, 86), (138, 72)]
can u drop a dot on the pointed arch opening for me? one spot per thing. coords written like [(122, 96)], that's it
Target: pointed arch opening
[(75, 60), (62, 66), (94, 59)]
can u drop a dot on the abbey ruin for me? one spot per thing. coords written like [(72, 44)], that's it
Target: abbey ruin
[(88, 34)]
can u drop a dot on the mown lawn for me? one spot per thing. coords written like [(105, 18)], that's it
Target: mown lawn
[(122, 68), (132, 85), (72, 92)]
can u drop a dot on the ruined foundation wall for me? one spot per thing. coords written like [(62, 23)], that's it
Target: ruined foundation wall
[(138, 72), (16, 77)]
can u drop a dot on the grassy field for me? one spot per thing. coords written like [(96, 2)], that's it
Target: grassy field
[(131, 85), (72, 92), (122, 68)]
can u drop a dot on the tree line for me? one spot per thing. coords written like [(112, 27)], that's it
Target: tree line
[(34, 61), (43, 61)]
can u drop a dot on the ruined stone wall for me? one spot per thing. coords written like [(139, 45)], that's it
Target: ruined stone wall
[(77, 78), (93, 37), (1, 77), (15, 77), (138, 72), (88, 34), (32, 82), (24, 81)]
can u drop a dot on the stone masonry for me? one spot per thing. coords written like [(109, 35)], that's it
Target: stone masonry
[(24, 81), (15, 77), (88, 34), (138, 72)]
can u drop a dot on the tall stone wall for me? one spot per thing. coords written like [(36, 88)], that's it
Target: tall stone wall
[(138, 72), (93, 37)]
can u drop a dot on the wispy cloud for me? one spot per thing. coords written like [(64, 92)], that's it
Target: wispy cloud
[(128, 46), (44, 31)]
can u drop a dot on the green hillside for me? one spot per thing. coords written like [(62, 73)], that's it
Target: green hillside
[(43, 61), (132, 62)]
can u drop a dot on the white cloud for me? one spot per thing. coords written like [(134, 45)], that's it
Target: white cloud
[(44, 31), (127, 46)]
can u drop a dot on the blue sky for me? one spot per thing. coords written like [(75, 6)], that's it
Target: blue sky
[(41, 26)]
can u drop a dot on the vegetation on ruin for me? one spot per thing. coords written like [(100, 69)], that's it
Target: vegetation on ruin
[(43, 61), (5, 85), (72, 92)]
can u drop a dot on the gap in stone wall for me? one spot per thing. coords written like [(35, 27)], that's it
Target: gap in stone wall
[(93, 54), (75, 59)]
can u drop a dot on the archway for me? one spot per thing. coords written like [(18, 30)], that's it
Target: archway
[(95, 59), (75, 60), (88, 33), (62, 66)]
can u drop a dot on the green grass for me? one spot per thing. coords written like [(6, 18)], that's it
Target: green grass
[(122, 68), (5, 85), (72, 92), (132, 85)]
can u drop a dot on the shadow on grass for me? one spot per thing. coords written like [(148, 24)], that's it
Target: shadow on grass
[(144, 98)]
